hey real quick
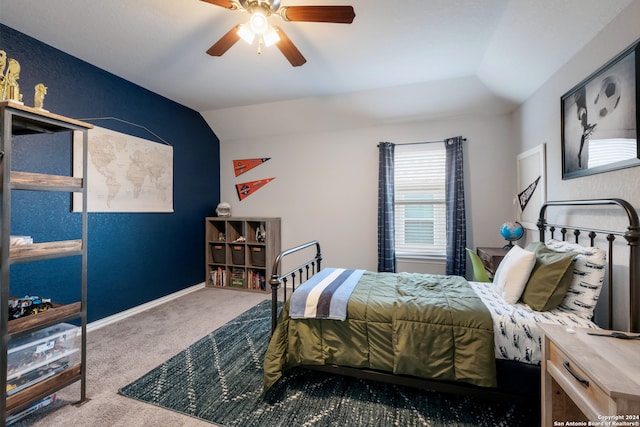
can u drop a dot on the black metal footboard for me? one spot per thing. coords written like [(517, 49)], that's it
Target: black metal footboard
[(302, 273)]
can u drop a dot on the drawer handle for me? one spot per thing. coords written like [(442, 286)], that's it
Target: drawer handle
[(574, 374)]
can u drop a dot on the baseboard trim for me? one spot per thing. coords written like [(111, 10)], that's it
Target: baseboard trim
[(140, 308)]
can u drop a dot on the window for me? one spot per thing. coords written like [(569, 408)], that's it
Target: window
[(606, 151), (420, 214)]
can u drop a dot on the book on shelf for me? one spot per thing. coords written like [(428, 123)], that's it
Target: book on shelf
[(218, 277), (257, 280)]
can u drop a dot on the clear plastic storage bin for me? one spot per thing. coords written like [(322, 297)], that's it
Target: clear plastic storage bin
[(34, 357)]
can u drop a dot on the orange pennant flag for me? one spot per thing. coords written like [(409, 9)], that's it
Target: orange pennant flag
[(246, 189), (242, 166)]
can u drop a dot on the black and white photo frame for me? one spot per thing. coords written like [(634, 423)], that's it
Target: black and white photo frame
[(599, 118)]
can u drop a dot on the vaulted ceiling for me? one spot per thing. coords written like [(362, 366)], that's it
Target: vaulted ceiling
[(459, 51)]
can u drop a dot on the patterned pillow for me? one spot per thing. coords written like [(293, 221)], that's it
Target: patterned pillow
[(588, 277)]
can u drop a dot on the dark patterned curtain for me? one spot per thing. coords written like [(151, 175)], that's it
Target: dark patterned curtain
[(456, 218), (386, 235)]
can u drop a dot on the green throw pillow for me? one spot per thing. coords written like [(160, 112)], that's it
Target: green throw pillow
[(550, 279)]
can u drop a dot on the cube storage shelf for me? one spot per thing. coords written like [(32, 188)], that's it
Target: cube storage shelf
[(44, 353), (239, 252)]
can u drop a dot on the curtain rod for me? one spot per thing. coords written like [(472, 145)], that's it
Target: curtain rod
[(424, 142)]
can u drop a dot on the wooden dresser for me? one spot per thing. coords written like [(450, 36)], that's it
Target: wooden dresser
[(589, 378)]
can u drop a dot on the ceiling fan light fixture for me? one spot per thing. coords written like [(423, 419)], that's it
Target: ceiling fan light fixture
[(259, 23), (271, 37), (246, 33)]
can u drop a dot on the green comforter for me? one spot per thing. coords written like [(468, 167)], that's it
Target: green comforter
[(422, 325)]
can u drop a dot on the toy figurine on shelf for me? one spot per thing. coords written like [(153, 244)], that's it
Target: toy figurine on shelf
[(38, 98), (260, 234), (28, 305)]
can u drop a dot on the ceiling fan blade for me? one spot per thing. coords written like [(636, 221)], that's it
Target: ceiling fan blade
[(289, 50), (335, 14), (228, 4), (225, 42)]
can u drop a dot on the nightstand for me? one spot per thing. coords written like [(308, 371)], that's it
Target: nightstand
[(491, 258), (588, 378)]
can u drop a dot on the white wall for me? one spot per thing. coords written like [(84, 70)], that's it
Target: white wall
[(326, 175), (324, 157), (326, 182), (538, 121)]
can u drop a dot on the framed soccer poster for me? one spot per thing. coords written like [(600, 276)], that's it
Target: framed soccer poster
[(599, 119)]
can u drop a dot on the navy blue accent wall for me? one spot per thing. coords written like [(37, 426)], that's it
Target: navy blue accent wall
[(133, 258)]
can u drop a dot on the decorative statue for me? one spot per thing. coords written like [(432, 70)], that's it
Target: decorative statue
[(38, 98), (11, 87), (3, 65)]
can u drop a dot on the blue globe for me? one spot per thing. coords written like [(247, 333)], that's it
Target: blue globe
[(512, 231)]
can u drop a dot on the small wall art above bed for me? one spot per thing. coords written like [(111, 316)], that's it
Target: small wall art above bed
[(599, 118), (531, 185)]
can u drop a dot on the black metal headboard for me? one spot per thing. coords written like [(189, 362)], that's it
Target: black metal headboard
[(631, 234)]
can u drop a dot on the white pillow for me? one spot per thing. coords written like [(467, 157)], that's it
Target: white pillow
[(513, 273), (588, 277)]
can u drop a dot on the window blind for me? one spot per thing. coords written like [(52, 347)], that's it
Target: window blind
[(420, 215)]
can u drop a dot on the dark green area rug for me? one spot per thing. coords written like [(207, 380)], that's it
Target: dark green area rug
[(219, 379)]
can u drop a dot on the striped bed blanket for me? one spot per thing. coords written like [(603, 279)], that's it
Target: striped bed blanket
[(325, 295)]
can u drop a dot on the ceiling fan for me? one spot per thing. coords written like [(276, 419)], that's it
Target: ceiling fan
[(258, 25)]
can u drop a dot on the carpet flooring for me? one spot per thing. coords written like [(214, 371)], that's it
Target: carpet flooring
[(219, 379)]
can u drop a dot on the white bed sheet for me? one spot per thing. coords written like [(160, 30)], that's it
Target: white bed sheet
[(517, 336)]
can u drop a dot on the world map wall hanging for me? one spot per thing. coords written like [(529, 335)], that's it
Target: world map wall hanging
[(124, 173)]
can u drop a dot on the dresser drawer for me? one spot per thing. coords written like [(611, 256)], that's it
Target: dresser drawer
[(590, 398)]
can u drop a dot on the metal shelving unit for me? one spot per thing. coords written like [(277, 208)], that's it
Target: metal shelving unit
[(17, 119)]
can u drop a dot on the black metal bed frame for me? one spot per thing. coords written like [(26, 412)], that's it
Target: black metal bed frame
[(511, 376), (310, 267), (631, 235)]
